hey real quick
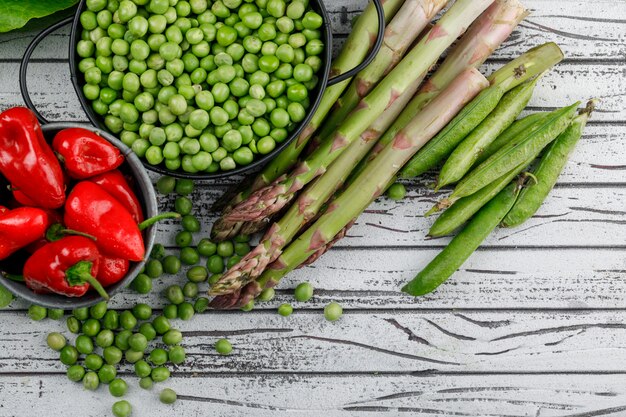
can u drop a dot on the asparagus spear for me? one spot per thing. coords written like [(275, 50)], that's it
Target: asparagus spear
[(403, 29), (371, 182), (482, 38), (356, 47), (268, 200), (309, 202)]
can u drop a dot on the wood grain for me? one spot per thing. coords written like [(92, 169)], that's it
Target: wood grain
[(332, 395), (532, 324)]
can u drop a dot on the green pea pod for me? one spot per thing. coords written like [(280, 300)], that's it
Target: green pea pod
[(441, 145), (548, 171), (463, 244), (512, 131), (463, 209), (505, 113), (516, 152)]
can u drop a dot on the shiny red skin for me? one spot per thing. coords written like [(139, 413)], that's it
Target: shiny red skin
[(45, 270), (27, 161), (115, 184), (54, 217), (92, 210), (84, 153), (112, 270), (20, 227)]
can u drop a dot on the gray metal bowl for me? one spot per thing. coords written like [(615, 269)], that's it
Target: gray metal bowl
[(147, 198)]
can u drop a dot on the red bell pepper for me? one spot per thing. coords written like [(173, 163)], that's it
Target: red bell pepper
[(114, 183), (111, 270), (84, 153), (20, 227), (92, 210), (27, 161), (68, 267)]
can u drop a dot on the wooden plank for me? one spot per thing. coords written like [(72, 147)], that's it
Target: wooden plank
[(52, 90), (332, 396), (591, 216), (467, 341), (491, 278), (583, 32)]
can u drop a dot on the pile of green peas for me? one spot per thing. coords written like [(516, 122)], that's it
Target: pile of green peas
[(200, 85)]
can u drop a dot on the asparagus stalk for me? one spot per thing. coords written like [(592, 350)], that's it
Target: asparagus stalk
[(356, 47), (309, 203), (482, 38), (403, 29), (371, 182), (268, 200)]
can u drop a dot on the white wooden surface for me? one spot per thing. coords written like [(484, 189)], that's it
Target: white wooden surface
[(533, 325)]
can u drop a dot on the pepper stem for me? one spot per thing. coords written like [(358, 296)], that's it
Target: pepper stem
[(152, 220), (13, 277), (57, 231), (80, 274)]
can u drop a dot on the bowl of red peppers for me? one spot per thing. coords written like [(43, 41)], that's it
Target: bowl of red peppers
[(73, 207)]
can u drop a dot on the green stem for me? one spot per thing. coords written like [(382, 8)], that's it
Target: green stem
[(13, 277), (57, 231), (80, 274), (152, 220)]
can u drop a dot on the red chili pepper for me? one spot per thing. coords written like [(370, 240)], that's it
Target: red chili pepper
[(54, 217), (67, 266), (111, 270), (92, 210), (27, 161), (23, 199), (84, 153), (20, 227), (114, 183)]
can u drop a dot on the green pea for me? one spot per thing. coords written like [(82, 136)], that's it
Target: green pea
[(285, 309), (333, 311), (127, 320), (93, 361), (190, 223), (266, 144), (122, 409), (185, 311), (183, 205), (267, 294), (121, 339), (142, 284), (172, 337), (56, 341), (314, 47), (189, 256), (91, 381), (68, 355), (215, 278), (223, 347), (206, 247), (174, 294), (105, 338), (252, 20), (132, 356), (297, 40), (167, 396), (148, 330), (196, 274), (75, 373), (84, 344), (118, 387), (142, 311), (110, 320), (112, 354), (160, 374), (303, 292), (37, 313), (145, 383), (201, 304), (184, 187), (91, 327), (107, 373), (396, 191), (142, 369), (154, 269), (171, 264), (161, 324), (166, 184)]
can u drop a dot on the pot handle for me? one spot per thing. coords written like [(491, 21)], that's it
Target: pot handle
[(372, 54), (26, 60)]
